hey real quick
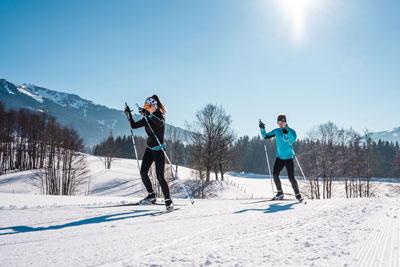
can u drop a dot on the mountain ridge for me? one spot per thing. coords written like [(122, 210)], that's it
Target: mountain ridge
[(93, 122), (390, 135)]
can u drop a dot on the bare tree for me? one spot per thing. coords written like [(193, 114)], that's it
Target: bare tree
[(211, 137), (174, 139)]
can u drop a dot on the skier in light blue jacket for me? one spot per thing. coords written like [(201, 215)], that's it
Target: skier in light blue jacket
[(285, 137)]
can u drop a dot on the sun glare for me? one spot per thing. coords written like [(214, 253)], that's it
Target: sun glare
[(296, 14)]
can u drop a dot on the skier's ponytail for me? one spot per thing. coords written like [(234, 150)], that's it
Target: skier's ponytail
[(161, 107)]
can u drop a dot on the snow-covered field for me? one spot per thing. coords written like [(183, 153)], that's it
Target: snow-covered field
[(229, 230), (339, 232), (122, 180)]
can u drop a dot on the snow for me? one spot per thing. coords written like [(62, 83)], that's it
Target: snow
[(8, 89), (81, 231), (56, 97), (24, 89), (62, 99), (122, 180), (390, 135), (104, 123), (229, 230)]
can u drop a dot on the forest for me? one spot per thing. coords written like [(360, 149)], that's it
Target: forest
[(36, 141), (328, 153)]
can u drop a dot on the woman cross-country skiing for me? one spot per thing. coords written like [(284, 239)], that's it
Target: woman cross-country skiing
[(285, 138), (154, 111)]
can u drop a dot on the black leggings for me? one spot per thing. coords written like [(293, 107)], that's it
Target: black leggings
[(158, 157), (278, 166)]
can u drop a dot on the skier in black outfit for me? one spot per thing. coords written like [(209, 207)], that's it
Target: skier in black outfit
[(285, 137), (154, 111)]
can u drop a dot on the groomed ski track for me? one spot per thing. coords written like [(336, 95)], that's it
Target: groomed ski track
[(337, 232)]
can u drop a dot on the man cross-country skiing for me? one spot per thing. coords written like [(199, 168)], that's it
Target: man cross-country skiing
[(285, 138), (154, 111)]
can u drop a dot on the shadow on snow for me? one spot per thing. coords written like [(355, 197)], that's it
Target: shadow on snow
[(272, 208), (88, 221)]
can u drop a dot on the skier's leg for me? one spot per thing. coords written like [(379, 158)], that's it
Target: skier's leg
[(144, 171), (290, 170), (159, 159), (278, 166)]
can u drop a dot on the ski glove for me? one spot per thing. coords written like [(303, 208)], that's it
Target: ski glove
[(127, 110), (285, 131), (261, 125), (144, 112)]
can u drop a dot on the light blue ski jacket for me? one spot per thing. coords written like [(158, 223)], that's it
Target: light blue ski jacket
[(284, 142)]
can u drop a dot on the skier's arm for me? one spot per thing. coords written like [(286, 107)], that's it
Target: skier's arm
[(137, 124), (266, 135), (134, 125), (292, 135), (158, 121)]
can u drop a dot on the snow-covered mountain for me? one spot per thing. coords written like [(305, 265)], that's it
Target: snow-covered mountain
[(391, 136), (92, 121)]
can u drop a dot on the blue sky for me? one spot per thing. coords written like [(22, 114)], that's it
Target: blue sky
[(314, 60)]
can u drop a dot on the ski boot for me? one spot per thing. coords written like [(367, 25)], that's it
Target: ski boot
[(150, 199), (279, 196), (299, 198), (169, 205)]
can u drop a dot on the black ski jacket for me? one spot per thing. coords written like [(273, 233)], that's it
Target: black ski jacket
[(157, 122)]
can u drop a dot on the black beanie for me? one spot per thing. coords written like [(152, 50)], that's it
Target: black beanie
[(282, 118)]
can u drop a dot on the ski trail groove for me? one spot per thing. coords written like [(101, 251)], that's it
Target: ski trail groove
[(381, 248), (251, 236)]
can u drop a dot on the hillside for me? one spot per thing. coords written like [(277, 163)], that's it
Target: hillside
[(92, 121), (122, 180), (390, 136)]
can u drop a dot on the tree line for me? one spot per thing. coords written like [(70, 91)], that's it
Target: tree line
[(32, 140), (328, 153), (122, 147)]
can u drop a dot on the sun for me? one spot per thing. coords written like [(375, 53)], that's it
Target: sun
[(296, 14)]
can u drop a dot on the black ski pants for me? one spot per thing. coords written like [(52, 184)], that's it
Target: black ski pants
[(158, 158), (278, 166)]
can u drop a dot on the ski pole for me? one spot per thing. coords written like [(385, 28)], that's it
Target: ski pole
[(133, 141), (269, 167), (298, 163), (166, 156), (295, 156)]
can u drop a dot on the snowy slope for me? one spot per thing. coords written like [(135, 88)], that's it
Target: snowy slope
[(391, 135), (232, 229), (257, 186), (122, 180), (79, 232)]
